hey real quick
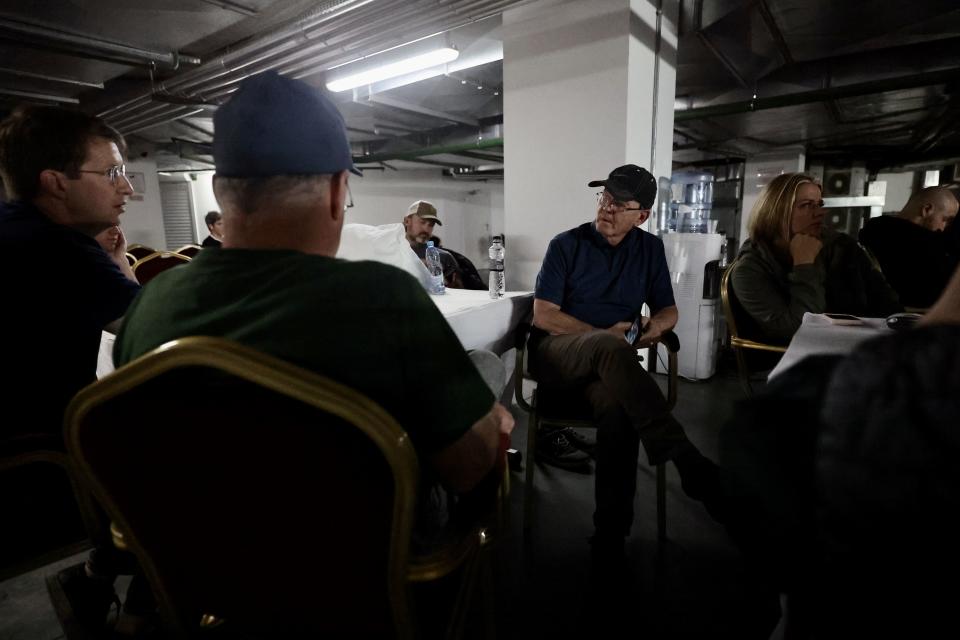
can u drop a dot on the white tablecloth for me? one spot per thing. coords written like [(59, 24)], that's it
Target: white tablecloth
[(479, 321), (818, 336)]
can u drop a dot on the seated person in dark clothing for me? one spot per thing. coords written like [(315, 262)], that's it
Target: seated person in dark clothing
[(418, 225), (282, 160), (64, 174), (214, 222), (791, 265), (842, 485), (911, 247), (468, 273), (592, 285)]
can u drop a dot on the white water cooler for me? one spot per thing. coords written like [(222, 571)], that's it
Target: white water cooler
[(692, 261)]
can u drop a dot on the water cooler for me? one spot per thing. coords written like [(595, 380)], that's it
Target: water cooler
[(693, 254)]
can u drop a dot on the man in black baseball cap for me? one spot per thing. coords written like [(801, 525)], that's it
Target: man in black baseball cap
[(587, 328)]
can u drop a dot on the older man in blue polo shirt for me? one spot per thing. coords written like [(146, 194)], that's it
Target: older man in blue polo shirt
[(590, 290)]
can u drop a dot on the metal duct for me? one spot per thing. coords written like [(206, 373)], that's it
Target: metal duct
[(819, 95), (88, 45), (372, 26)]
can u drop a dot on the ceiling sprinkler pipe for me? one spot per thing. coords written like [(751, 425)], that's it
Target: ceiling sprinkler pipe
[(212, 67), (225, 88)]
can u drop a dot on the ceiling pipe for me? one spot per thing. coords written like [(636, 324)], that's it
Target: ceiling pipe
[(359, 32), (280, 36), (819, 95), (369, 32), (48, 78), (233, 6), (431, 151), (30, 95), (40, 35)]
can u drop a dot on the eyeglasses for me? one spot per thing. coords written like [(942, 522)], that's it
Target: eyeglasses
[(112, 174), (606, 201), (349, 204)]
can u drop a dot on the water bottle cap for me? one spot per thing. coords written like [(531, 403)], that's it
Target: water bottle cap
[(429, 243)]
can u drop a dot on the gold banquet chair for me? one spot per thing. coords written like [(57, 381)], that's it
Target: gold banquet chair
[(260, 499), (743, 347), (549, 408), (146, 269), (256, 496), (189, 250), (139, 251)]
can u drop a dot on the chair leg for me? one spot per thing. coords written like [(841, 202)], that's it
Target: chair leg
[(661, 504), (743, 373), (532, 427)]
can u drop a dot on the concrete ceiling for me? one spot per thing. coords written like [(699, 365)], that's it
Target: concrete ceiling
[(870, 80)]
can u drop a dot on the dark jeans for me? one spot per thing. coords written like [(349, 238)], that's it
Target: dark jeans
[(628, 409)]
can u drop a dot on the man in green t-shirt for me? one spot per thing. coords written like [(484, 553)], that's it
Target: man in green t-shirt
[(282, 158)]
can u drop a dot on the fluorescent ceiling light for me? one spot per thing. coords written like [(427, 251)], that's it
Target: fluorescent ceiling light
[(392, 70)]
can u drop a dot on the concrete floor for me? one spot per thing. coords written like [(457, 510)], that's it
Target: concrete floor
[(548, 589)]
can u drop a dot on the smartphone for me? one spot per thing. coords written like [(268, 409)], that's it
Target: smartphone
[(843, 319)]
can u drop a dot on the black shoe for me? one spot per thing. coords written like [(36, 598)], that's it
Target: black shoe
[(580, 441), (554, 448), (700, 479), (83, 604)]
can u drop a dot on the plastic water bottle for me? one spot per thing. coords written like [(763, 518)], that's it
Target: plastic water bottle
[(436, 269), (497, 284)]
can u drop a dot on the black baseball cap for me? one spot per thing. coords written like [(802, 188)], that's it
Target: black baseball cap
[(630, 182)]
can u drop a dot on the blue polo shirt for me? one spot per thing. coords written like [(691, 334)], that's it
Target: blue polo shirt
[(601, 284)]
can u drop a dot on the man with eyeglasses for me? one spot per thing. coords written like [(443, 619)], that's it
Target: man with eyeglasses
[(64, 176), (592, 285)]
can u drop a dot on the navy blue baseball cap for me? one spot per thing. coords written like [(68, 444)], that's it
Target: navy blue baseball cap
[(274, 126)]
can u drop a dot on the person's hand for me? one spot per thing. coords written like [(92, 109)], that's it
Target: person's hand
[(620, 329), (119, 252), (650, 333), (804, 248), (504, 419)]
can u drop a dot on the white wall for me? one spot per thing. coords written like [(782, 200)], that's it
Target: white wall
[(142, 222), (899, 190), (471, 211)]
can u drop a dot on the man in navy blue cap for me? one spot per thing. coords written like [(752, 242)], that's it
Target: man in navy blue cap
[(587, 329), (282, 159)]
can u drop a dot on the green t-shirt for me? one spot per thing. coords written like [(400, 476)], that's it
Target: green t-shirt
[(367, 325)]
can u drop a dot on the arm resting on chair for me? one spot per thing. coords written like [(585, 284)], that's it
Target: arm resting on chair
[(463, 464)]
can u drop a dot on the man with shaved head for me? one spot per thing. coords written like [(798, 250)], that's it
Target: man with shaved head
[(912, 248)]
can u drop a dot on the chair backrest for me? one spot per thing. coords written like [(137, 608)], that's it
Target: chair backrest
[(255, 495), (146, 269), (743, 329), (189, 250), (131, 259), (42, 512), (139, 251)]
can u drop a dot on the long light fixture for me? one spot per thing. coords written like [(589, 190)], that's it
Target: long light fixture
[(394, 69)]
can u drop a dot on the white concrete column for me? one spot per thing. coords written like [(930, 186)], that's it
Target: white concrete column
[(588, 86)]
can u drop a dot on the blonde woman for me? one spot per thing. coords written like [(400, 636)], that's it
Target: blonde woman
[(791, 264)]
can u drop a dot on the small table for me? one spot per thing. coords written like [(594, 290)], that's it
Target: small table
[(479, 321), (819, 336)]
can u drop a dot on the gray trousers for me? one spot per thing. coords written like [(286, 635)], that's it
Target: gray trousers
[(628, 409)]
